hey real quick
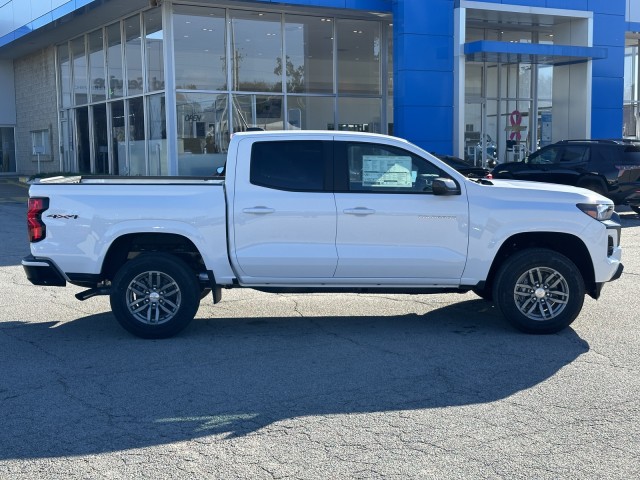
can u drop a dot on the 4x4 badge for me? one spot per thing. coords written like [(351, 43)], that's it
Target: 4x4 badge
[(56, 216)]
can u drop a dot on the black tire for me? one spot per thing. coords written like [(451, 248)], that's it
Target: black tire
[(528, 302), (155, 295), (635, 208), (595, 186)]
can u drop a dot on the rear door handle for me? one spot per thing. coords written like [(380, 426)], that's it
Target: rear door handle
[(359, 211), (258, 210)]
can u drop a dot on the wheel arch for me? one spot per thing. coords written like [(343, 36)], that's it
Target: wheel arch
[(566, 244), (586, 181), (129, 246)]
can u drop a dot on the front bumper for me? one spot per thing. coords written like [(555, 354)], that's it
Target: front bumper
[(42, 272)]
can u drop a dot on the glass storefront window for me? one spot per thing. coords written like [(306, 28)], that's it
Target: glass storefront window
[(256, 47), (282, 74), (154, 50), (118, 138), (7, 150), (157, 135), (310, 113), (114, 61), (96, 66), (199, 46), (64, 72), (203, 132), (309, 58), (359, 114), (83, 146), (100, 139), (358, 56), (135, 129), (133, 55), (263, 111), (79, 65)]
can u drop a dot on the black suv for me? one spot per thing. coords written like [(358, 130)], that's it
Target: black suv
[(608, 167)]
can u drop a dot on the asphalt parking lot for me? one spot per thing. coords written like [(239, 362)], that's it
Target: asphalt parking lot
[(314, 387)]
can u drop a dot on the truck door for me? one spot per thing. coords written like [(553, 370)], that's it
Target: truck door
[(390, 225), (284, 212)]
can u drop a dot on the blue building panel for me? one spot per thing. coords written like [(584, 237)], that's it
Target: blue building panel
[(568, 4), (426, 126), (610, 7), (608, 30), (606, 122), (607, 92), (612, 66), (428, 52), (424, 88), (434, 17)]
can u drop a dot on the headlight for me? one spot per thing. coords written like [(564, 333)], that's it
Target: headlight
[(599, 211)]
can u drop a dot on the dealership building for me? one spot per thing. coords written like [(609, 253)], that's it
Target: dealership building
[(157, 87)]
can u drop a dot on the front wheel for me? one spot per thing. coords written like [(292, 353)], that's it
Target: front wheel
[(539, 291), (155, 295)]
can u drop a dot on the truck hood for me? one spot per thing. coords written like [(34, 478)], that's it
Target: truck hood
[(547, 191)]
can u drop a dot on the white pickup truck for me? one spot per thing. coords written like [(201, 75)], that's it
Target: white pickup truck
[(309, 211)]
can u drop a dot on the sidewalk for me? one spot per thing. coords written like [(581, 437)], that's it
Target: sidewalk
[(13, 191)]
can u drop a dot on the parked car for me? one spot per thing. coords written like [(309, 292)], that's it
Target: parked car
[(608, 167), (468, 169)]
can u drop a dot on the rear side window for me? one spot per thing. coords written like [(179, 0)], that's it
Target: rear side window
[(632, 155), (299, 165), (573, 154)]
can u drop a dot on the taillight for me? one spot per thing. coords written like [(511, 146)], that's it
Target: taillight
[(36, 228)]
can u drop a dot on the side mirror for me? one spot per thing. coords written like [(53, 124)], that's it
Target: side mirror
[(445, 186), (220, 171)]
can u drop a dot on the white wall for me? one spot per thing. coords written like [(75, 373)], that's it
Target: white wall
[(8, 91)]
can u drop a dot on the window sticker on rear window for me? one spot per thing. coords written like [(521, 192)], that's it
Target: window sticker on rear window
[(386, 171)]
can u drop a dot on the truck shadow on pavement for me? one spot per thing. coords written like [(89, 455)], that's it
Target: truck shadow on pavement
[(87, 387)]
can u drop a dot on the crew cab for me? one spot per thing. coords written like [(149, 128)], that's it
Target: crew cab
[(322, 211)]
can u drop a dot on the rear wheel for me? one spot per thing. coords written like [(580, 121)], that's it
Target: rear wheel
[(539, 291), (155, 295)]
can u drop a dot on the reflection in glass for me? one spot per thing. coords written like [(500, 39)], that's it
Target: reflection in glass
[(100, 141), (390, 60), (310, 113), (358, 56), (82, 136), (309, 59), (64, 71), (256, 47), (262, 111), (200, 55), (157, 136), (135, 126), (79, 71), (133, 54), (118, 138), (114, 61), (203, 132), (154, 52), (96, 66), (359, 114)]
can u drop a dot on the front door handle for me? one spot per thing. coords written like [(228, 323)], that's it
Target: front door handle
[(359, 211), (258, 210)]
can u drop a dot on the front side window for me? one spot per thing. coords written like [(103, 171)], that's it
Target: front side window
[(299, 165), (545, 157), (386, 169)]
